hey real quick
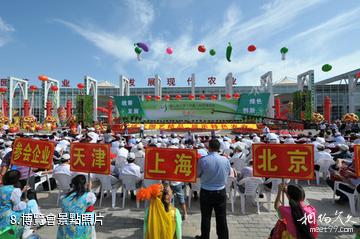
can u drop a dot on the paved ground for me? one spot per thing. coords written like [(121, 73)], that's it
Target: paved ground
[(127, 223)]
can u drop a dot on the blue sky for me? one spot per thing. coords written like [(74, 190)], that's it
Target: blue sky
[(69, 39)]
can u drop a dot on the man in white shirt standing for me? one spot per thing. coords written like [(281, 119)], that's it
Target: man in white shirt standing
[(142, 128)]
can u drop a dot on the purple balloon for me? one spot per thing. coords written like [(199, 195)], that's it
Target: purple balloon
[(143, 46)]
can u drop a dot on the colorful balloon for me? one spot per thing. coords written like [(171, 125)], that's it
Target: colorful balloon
[(251, 48), (201, 48), (326, 68), (283, 52), (143, 46), (228, 52), (212, 52), (169, 50), (138, 50)]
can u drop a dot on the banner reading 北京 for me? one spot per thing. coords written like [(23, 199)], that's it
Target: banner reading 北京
[(293, 161)]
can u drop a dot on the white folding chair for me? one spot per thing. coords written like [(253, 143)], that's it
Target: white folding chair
[(63, 182), (194, 187), (108, 183), (324, 169), (251, 189), (353, 197), (44, 177), (129, 183), (231, 191), (274, 190)]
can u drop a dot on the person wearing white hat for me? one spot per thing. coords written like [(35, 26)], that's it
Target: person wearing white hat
[(321, 154), (131, 169), (140, 156), (64, 166), (289, 139), (339, 139), (357, 141), (121, 157), (343, 152), (238, 159)]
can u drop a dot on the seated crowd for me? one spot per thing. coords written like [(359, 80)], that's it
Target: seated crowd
[(332, 150)]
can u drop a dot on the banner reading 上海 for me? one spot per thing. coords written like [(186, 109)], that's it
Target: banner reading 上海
[(170, 164), (32, 153), (90, 158), (357, 159), (295, 161)]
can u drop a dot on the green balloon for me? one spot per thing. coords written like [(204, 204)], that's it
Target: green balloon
[(284, 50), (212, 52), (326, 68), (138, 50)]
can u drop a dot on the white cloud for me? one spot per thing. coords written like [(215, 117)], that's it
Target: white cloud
[(142, 12), (5, 31), (5, 27), (320, 34), (115, 45)]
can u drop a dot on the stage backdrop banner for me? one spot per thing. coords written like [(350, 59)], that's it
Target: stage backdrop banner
[(132, 107), (32, 153), (170, 164), (293, 161), (90, 158), (357, 159)]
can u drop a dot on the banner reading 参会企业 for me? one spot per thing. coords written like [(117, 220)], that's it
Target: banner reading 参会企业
[(32, 153)]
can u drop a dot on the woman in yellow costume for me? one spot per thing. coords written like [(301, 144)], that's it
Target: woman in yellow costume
[(162, 220)]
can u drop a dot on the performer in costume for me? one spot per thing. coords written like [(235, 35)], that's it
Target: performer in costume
[(162, 219)]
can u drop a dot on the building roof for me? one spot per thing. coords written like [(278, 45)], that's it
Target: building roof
[(106, 84), (285, 81)]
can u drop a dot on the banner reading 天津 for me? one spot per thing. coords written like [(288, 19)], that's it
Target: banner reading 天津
[(32, 153), (294, 161), (170, 164), (90, 158)]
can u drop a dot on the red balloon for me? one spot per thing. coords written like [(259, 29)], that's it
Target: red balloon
[(148, 97), (178, 97), (167, 97), (43, 78), (228, 96), (236, 96), (213, 97), (191, 97), (80, 86), (201, 48), (157, 98), (54, 88), (3, 90), (33, 88), (202, 97), (251, 48)]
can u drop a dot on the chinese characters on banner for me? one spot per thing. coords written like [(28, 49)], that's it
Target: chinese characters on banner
[(151, 82), (357, 159), (131, 82), (212, 80), (170, 164), (128, 105), (90, 158), (3, 82), (171, 81), (283, 161), (32, 153)]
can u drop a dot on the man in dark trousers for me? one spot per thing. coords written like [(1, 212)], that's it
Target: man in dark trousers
[(213, 171)]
